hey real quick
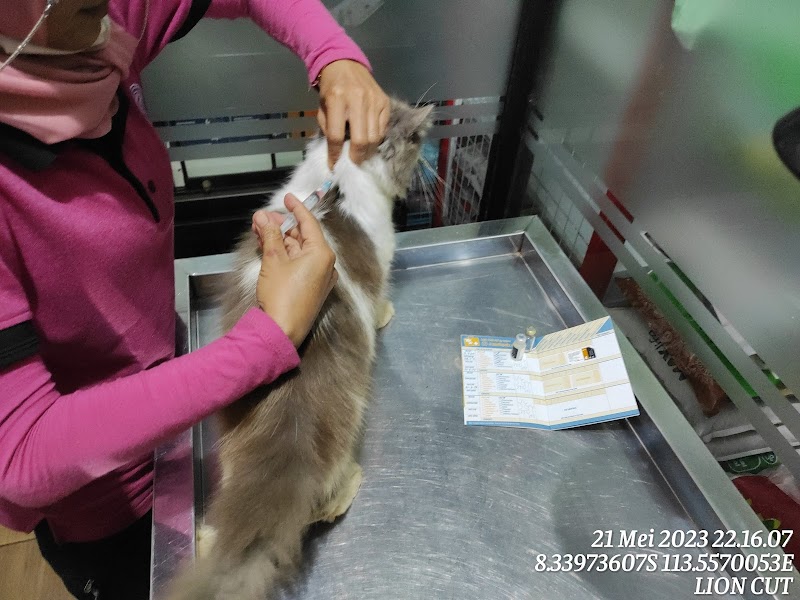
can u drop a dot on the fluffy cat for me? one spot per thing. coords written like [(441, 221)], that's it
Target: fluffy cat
[(287, 450)]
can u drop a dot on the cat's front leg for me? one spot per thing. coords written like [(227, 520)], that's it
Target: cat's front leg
[(385, 313)]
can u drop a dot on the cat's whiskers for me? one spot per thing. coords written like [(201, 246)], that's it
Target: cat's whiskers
[(429, 169), (433, 178), (427, 177), (442, 113), (427, 192), (423, 95), (424, 183)]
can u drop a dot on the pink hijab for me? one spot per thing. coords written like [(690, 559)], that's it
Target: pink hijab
[(57, 98)]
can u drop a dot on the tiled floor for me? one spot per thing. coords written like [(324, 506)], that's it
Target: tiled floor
[(23, 572)]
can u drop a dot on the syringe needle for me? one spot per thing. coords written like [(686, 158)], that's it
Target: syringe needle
[(310, 202)]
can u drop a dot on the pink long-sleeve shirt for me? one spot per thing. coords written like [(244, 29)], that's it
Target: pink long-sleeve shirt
[(89, 265)]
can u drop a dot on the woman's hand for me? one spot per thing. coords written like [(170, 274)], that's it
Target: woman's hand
[(349, 94), (297, 272)]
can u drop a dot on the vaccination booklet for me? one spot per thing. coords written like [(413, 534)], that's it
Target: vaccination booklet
[(570, 378)]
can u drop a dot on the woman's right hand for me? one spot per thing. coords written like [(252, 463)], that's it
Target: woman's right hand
[(297, 272)]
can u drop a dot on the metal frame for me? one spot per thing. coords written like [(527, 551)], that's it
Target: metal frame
[(536, 21), (287, 132)]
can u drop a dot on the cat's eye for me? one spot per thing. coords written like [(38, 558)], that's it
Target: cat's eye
[(415, 138)]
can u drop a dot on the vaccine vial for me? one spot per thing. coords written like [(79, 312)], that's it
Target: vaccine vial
[(530, 336), (518, 347)]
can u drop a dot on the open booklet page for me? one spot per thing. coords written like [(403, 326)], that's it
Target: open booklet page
[(570, 378)]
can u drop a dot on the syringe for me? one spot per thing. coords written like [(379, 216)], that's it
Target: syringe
[(309, 203)]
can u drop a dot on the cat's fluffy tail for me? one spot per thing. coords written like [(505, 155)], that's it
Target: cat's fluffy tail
[(254, 552), (255, 577)]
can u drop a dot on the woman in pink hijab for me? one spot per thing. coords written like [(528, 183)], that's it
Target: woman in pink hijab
[(89, 381)]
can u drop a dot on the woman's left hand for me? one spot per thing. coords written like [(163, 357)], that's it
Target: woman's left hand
[(349, 94)]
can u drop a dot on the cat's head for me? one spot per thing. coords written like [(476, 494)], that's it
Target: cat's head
[(398, 155)]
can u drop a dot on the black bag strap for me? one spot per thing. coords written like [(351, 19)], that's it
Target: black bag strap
[(196, 12), (17, 343)]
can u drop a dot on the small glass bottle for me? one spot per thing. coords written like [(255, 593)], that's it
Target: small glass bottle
[(518, 347), (530, 336)]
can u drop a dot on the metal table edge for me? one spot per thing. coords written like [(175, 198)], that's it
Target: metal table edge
[(461, 233)]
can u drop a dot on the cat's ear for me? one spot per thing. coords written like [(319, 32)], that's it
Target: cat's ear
[(421, 117)]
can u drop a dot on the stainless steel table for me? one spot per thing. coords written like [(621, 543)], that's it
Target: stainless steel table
[(449, 511)]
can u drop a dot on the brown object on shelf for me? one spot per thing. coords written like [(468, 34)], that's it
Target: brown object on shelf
[(710, 395)]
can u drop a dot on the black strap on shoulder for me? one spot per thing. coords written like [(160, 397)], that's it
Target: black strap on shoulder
[(196, 12), (26, 149), (109, 148), (17, 343)]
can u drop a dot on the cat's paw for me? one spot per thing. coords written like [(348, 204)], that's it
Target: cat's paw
[(206, 536), (386, 314), (344, 495)]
